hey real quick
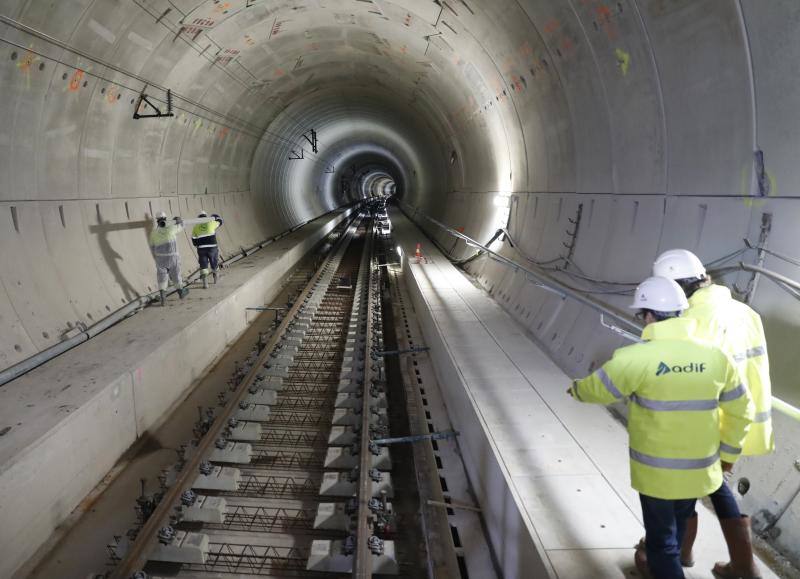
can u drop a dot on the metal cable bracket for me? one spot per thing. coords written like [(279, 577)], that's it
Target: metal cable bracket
[(143, 98), (417, 438), (376, 355)]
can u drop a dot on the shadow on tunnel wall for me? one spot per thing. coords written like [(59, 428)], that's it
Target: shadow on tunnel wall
[(111, 256)]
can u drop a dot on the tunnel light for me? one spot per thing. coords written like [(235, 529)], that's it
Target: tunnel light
[(400, 251), (501, 199)]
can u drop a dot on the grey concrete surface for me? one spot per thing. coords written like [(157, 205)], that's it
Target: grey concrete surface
[(77, 548), (651, 116), (551, 475)]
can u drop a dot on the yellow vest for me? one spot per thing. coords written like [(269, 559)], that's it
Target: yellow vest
[(204, 234), (737, 330), (675, 386), (164, 240)]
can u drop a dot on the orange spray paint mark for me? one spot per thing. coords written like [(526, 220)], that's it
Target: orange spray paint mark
[(75, 81), (604, 16), (26, 62), (551, 26), (24, 66)]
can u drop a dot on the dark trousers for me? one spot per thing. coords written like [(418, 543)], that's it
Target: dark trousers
[(724, 504), (208, 255), (664, 526)]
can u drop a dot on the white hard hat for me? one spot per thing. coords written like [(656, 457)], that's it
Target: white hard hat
[(678, 264), (659, 294), (161, 215), (202, 213)]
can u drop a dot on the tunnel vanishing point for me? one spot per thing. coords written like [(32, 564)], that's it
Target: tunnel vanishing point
[(537, 156)]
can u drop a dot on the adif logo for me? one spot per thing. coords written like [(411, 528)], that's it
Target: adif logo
[(688, 368)]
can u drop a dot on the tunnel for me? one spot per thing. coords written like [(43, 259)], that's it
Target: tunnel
[(536, 154)]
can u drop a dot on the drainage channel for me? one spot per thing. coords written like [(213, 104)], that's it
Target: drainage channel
[(280, 482)]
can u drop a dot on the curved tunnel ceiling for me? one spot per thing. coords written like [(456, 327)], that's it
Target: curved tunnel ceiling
[(666, 122), (598, 133)]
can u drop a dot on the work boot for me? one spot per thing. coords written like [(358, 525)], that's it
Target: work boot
[(182, 292), (216, 277), (205, 282), (687, 560), (162, 295), (640, 560), (740, 548)]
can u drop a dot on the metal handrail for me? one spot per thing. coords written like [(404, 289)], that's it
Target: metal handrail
[(549, 283), (543, 279)]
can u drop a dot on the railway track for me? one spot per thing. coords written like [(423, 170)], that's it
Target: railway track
[(280, 481)]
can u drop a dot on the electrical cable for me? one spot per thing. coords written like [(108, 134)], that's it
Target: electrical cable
[(254, 130)]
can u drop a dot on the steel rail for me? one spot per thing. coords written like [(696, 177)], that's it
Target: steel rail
[(136, 557), (550, 283), (362, 561)]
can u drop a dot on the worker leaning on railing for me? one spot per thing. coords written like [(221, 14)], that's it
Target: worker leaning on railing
[(680, 442)]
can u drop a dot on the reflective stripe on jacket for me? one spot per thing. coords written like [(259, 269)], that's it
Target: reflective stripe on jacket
[(204, 234), (164, 240), (737, 330), (675, 385)]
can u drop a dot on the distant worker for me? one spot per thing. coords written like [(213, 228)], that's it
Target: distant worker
[(164, 247), (680, 443), (204, 237), (737, 330)]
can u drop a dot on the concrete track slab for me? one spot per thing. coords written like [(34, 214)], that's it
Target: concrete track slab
[(551, 475), (73, 417)]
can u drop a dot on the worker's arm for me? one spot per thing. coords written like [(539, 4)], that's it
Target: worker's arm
[(608, 384), (737, 413), (218, 219)]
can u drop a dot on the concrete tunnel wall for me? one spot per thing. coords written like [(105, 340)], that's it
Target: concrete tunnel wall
[(645, 114)]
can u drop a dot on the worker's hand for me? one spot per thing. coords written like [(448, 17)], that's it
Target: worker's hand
[(571, 392), (179, 220), (727, 466)]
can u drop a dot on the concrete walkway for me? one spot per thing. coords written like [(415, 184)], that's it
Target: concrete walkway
[(72, 418), (552, 474)]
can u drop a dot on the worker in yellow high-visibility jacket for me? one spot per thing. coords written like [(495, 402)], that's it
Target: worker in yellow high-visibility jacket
[(204, 238), (164, 247), (737, 330), (680, 443)]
